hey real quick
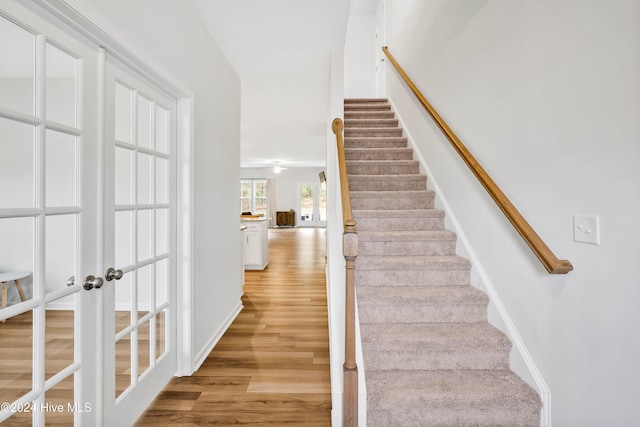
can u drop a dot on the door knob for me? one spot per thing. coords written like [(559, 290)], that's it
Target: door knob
[(91, 282), (112, 274)]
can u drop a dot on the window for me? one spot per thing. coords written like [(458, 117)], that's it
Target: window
[(253, 196)]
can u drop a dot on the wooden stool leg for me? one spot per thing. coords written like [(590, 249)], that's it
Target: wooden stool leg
[(20, 289), (4, 294)]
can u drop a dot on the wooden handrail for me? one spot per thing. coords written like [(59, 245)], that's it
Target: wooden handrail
[(350, 251), (540, 249), (338, 126)]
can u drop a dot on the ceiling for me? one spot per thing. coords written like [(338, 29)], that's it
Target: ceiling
[(281, 51)]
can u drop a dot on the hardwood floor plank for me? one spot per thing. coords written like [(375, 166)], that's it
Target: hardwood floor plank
[(271, 367)]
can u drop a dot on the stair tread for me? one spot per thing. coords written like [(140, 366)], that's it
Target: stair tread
[(375, 138), (375, 141), (432, 336), (482, 389), (365, 100), (400, 213), (412, 262), (367, 106), (352, 114), (392, 121), (426, 295), (394, 193), (399, 235), (405, 176), (373, 130), (381, 162), (378, 150)]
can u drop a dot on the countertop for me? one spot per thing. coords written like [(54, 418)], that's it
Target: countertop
[(242, 219)]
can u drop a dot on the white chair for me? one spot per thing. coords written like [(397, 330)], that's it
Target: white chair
[(12, 276)]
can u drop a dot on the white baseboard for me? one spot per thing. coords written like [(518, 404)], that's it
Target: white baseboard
[(202, 354), (512, 332)]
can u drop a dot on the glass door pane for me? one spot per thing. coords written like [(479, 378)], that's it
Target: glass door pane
[(322, 203), (17, 168), (260, 197), (18, 67), (245, 196), (306, 208)]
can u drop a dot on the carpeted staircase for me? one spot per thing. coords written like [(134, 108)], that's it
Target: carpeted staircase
[(430, 356)]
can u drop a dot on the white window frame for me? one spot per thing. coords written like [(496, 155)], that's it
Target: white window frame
[(252, 194)]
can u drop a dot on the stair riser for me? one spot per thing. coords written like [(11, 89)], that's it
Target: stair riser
[(412, 277), (425, 359), (406, 154), (373, 142), (378, 169), (399, 224), (421, 314), (417, 184), (369, 123), (387, 203), (406, 248), (382, 132)]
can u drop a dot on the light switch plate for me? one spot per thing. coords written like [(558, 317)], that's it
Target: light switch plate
[(586, 229)]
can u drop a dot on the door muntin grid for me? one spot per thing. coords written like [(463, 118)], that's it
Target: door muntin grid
[(143, 216)]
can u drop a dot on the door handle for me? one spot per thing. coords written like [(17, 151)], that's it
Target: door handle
[(91, 282), (112, 274)]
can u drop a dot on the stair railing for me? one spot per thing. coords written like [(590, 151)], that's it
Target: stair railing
[(537, 245), (350, 252)]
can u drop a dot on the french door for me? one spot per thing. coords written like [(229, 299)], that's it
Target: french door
[(87, 225), (48, 223), (140, 199), (312, 204)]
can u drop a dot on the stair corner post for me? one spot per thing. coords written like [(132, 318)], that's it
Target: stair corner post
[(350, 369)]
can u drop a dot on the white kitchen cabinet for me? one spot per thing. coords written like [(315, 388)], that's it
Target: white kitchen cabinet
[(256, 244)]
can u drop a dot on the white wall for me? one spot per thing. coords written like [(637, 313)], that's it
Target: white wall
[(360, 57), (171, 34), (286, 183), (546, 95)]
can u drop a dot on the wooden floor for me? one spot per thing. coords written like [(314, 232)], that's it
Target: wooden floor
[(271, 368)]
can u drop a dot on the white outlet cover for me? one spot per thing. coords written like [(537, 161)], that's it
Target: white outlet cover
[(586, 229)]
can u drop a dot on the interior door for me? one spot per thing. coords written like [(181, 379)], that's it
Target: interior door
[(140, 217), (48, 226)]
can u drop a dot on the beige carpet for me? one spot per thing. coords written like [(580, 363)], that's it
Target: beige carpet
[(430, 356)]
